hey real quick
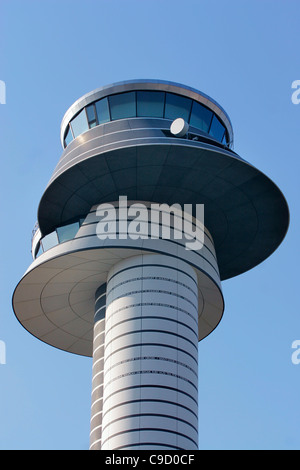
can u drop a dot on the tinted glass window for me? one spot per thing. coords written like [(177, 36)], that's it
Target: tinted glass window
[(39, 250), (217, 129), (102, 111), (224, 141), (200, 117), (69, 136), (67, 232), (122, 106), (150, 103), (79, 124), (49, 241), (91, 115), (177, 107)]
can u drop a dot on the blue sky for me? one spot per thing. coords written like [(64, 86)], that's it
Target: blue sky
[(245, 55)]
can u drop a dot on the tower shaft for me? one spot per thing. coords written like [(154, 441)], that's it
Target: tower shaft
[(150, 383)]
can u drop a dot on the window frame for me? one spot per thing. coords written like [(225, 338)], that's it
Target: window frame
[(135, 93), (83, 113)]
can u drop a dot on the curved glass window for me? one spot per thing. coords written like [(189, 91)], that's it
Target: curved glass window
[(224, 140), (60, 235), (177, 107), (38, 251), (69, 136), (79, 124), (217, 130), (67, 232), (102, 111), (49, 241), (91, 115), (201, 117), (123, 105), (147, 103), (150, 103)]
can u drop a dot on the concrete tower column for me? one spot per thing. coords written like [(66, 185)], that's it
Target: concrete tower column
[(151, 355)]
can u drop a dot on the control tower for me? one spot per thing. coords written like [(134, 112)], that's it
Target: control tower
[(136, 152)]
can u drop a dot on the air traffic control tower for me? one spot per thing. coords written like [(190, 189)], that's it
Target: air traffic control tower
[(139, 305)]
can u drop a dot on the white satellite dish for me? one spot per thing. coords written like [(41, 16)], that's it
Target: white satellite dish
[(179, 127)]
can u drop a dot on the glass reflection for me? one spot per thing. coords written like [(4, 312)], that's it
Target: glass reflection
[(147, 103), (49, 241), (217, 129), (79, 124), (69, 136), (67, 232), (150, 103), (122, 105), (91, 115), (200, 117), (177, 107), (102, 110)]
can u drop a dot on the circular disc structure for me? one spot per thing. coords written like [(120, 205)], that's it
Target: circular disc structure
[(133, 153), (245, 211), (55, 299)]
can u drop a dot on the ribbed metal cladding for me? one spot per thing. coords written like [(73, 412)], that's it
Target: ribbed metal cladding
[(151, 354), (97, 380)]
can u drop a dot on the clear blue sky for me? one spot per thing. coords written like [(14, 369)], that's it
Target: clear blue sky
[(244, 54)]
